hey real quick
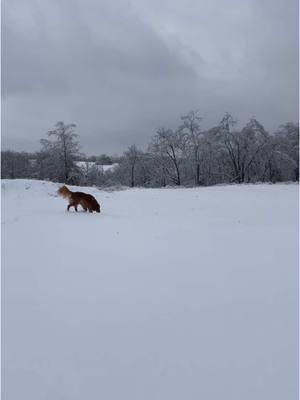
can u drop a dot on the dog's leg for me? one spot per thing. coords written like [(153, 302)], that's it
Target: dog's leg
[(72, 205)]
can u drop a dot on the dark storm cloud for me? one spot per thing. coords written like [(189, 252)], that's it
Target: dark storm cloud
[(122, 70)]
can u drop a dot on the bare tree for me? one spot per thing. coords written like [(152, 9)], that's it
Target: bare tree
[(191, 128), (63, 150), (241, 147), (228, 138), (287, 139), (131, 157), (251, 142), (170, 144)]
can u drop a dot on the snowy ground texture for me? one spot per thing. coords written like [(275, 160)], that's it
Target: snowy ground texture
[(168, 294)]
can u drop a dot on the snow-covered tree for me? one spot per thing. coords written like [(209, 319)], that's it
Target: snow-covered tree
[(192, 131), (62, 148)]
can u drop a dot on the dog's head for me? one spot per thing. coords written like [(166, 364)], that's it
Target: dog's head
[(64, 192), (97, 209)]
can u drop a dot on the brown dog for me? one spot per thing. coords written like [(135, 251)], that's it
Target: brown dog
[(87, 201)]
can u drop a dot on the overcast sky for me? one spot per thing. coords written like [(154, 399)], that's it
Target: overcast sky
[(121, 69)]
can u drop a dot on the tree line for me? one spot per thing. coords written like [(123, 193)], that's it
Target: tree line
[(188, 156)]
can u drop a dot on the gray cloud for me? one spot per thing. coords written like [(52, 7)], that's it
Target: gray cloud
[(122, 70)]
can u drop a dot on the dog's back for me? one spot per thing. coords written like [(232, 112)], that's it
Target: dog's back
[(87, 201)]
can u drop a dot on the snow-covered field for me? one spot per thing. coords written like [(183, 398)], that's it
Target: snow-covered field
[(168, 294)]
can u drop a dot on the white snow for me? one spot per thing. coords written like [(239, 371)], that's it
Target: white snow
[(168, 294), (86, 166), (110, 167)]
